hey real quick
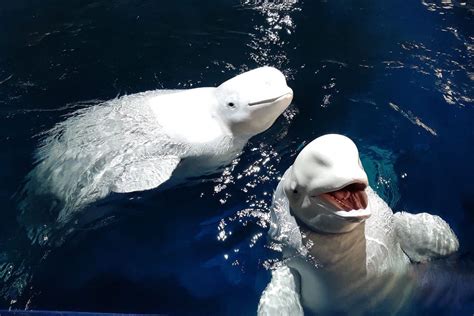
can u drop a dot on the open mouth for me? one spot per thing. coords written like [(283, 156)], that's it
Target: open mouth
[(270, 100), (349, 198)]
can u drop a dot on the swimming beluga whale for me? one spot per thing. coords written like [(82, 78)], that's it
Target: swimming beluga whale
[(341, 243), (137, 142)]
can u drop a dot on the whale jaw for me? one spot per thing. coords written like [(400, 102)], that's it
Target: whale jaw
[(337, 211), (262, 114)]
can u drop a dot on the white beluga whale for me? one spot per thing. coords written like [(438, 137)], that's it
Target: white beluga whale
[(343, 248), (137, 142)]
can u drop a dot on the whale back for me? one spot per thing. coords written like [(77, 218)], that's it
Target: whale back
[(189, 115), (79, 159)]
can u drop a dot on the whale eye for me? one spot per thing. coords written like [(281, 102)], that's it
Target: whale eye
[(231, 104)]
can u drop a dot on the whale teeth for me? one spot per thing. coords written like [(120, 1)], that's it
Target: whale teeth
[(341, 194)]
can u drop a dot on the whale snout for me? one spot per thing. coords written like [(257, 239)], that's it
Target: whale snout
[(287, 96)]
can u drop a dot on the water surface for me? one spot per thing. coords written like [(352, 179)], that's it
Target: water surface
[(397, 77)]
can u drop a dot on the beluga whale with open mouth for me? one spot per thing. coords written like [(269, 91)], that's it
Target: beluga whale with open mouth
[(137, 142), (343, 248)]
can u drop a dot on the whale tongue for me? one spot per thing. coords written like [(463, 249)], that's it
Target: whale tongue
[(351, 197)]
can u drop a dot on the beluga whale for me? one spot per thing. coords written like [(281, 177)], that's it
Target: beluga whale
[(137, 142), (343, 248)]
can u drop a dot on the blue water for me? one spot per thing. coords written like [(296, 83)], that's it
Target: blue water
[(395, 76)]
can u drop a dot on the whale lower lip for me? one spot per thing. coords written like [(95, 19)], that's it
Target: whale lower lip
[(269, 100), (354, 215)]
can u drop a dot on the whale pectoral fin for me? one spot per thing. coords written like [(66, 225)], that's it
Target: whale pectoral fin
[(423, 236), (145, 174), (281, 296)]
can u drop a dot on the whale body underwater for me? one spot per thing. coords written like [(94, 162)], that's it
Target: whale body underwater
[(344, 250), (137, 142)]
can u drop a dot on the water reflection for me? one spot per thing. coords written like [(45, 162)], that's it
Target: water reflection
[(247, 179), (447, 5), (379, 164), (405, 89), (271, 40)]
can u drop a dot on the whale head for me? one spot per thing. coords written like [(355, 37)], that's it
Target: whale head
[(326, 185), (250, 103)]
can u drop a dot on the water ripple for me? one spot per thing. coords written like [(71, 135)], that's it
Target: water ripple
[(414, 119), (269, 43)]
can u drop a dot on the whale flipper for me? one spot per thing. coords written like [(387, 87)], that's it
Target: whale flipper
[(424, 236), (145, 174), (281, 296)]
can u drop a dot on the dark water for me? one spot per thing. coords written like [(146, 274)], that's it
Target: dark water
[(396, 76)]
